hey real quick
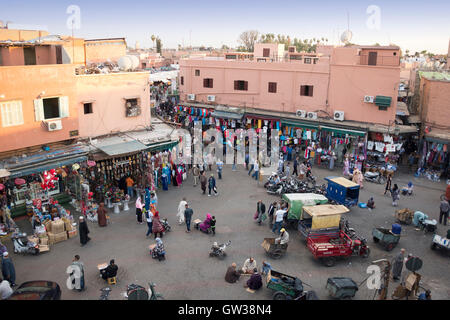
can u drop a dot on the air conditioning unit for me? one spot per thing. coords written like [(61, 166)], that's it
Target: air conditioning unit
[(54, 125), (312, 115), (301, 113), (339, 115), (368, 99), (191, 97), (211, 98)]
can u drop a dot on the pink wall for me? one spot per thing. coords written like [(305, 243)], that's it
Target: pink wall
[(107, 93), (436, 102)]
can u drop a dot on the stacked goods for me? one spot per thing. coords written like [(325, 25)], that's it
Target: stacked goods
[(60, 237), (68, 224), (58, 233), (43, 248), (58, 226), (51, 238), (48, 225), (404, 216), (33, 239), (43, 241), (72, 233)]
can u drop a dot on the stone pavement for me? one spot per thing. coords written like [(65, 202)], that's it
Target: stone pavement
[(189, 273)]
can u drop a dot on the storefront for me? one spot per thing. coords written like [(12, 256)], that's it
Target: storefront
[(434, 160)]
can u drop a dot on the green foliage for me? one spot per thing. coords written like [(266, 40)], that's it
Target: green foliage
[(158, 45)]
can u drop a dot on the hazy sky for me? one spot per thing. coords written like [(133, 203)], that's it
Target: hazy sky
[(413, 25)]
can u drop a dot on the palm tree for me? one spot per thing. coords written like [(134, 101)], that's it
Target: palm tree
[(153, 40)]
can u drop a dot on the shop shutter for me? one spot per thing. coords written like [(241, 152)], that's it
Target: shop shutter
[(63, 107), (39, 109)]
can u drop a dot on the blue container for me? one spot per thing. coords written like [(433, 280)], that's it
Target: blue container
[(396, 228)]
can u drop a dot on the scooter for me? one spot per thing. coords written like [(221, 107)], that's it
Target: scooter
[(219, 250), (137, 292), (375, 177), (105, 293), (22, 245), (166, 225)]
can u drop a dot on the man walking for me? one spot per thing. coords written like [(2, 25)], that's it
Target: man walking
[(203, 181), (444, 211), (195, 173), (181, 208), (251, 167), (188, 212), (295, 172), (256, 167), (397, 265), (219, 168), (78, 265), (279, 217), (8, 270), (149, 219), (212, 185), (260, 209)]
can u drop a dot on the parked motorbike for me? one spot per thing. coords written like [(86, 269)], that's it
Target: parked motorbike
[(218, 250), (22, 245), (105, 293), (137, 292), (166, 225), (375, 177)]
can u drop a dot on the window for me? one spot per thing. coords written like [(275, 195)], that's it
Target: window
[(11, 113), (373, 58), (272, 87), (88, 108), (241, 85), (308, 60), (29, 55), (51, 108), (266, 52), (207, 83), (306, 91), (291, 49), (182, 81), (197, 73), (315, 60), (295, 57), (132, 107), (395, 53)]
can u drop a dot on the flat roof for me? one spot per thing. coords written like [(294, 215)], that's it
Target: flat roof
[(304, 196), (325, 210), (344, 182), (105, 39)]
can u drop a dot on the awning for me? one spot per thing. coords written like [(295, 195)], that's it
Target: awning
[(227, 115), (299, 124), (162, 146), (261, 117), (383, 101), (4, 173), (46, 165), (122, 148), (439, 136), (344, 131)]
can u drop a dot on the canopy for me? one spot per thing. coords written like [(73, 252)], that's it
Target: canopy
[(325, 210), (300, 124), (342, 181), (122, 148), (344, 131), (46, 165), (227, 115)]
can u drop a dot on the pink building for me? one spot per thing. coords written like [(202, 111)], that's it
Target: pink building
[(359, 82)]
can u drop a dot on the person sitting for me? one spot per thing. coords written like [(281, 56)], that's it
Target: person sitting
[(205, 225), (158, 252), (266, 267), (425, 295), (408, 190), (255, 281), (371, 204), (283, 238), (213, 225), (232, 275), (249, 266), (110, 271)]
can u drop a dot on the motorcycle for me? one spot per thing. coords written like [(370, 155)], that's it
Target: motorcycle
[(271, 180), (218, 250), (105, 293), (137, 292), (375, 177), (22, 245), (166, 225)]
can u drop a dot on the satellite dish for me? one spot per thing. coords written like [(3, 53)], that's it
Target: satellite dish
[(125, 63), (346, 36), (134, 62)]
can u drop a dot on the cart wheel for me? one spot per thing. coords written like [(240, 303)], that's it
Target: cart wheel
[(329, 262), (277, 254), (279, 296), (433, 246), (376, 240), (390, 246)]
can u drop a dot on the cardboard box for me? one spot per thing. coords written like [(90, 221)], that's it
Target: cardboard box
[(51, 238), (43, 241), (48, 225), (33, 239), (58, 227), (67, 224), (59, 237), (73, 233), (43, 248)]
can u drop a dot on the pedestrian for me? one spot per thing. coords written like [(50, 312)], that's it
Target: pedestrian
[(179, 175), (139, 207), (157, 227), (8, 270), (78, 265), (203, 181), (251, 167), (371, 204), (271, 211), (212, 185), (149, 219), (266, 267), (180, 213), (101, 215), (188, 212), (249, 266), (130, 184), (397, 265), (219, 168), (247, 161), (260, 210), (444, 209), (5, 289), (388, 184), (425, 295), (279, 217), (232, 275), (256, 168), (288, 170), (195, 173), (395, 195), (295, 172), (84, 231), (154, 199), (331, 163), (213, 225), (280, 165)]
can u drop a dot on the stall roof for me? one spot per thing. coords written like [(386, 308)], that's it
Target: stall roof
[(227, 115), (304, 196), (124, 147), (343, 182), (325, 210), (439, 136)]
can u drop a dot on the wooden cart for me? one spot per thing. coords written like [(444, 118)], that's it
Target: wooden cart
[(274, 250)]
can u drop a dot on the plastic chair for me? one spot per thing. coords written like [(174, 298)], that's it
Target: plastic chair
[(112, 280)]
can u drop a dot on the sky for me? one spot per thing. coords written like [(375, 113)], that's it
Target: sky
[(414, 25)]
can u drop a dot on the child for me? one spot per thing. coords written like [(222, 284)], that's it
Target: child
[(371, 204), (213, 225)]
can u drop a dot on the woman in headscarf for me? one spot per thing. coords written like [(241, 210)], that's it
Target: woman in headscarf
[(101, 215), (83, 231), (395, 195), (179, 176), (157, 227), (346, 167), (158, 252), (139, 206), (147, 198), (205, 225)]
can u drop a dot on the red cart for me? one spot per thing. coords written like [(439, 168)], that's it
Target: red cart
[(328, 248)]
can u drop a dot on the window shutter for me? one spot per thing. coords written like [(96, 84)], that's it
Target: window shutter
[(39, 109), (236, 85), (245, 85), (302, 90), (17, 112), (311, 89), (63, 107), (211, 83), (205, 83)]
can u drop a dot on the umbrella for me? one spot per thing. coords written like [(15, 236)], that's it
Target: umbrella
[(19, 181)]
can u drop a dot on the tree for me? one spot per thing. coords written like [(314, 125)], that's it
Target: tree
[(158, 45), (225, 47), (248, 39), (153, 39)]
